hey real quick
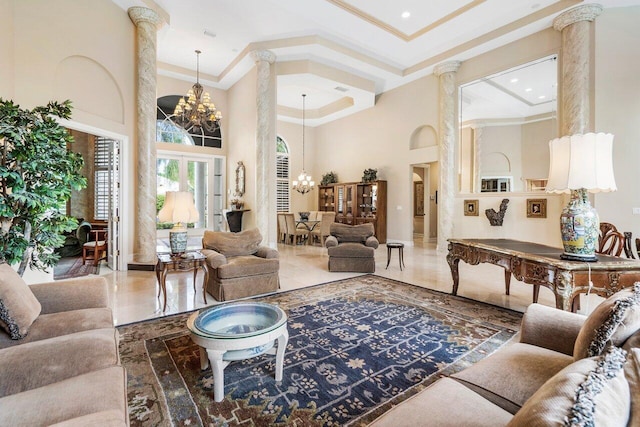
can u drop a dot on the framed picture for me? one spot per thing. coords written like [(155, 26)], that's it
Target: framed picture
[(471, 208), (536, 208), (418, 197)]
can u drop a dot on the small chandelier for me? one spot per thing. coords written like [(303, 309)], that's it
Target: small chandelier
[(304, 184), (196, 111)]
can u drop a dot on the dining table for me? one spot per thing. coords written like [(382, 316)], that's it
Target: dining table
[(309, 225)]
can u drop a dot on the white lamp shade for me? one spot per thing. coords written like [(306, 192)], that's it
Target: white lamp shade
[(178, 207), (581, 161)]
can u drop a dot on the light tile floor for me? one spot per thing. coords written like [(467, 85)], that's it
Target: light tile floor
[(134, 293)]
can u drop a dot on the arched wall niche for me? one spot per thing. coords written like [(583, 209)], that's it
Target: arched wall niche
[(90, 87), (424, 136)]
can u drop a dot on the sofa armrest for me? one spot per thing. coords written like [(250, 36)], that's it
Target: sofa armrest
[(550, 328), (372, 242), (214, 259), (267, 252), (330, 242), (72, 294)]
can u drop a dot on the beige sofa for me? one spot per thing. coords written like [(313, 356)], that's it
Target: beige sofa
[(59, 361), (352, 247), (238, 265), (565, 369)]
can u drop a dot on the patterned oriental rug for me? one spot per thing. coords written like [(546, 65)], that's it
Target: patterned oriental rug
[(68, 268), (356, 347)]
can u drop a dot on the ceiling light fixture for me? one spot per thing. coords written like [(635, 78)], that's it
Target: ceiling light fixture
[(195, 111), (406, 14), (304, 184), (528, 89), (514, 80)]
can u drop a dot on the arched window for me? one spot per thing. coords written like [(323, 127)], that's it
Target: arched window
[(282, 175), (168, 131)]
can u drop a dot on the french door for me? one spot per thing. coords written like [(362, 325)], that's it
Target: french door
[(200, 175)]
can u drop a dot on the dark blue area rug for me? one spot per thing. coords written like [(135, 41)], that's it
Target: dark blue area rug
[(355, 348)]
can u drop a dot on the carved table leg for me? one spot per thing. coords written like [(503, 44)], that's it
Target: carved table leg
[(507, 281), (453, 265), (536, 292), (563, 290)]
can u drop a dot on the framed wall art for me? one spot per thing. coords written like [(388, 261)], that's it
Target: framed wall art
[(536, 208), (471, 208)]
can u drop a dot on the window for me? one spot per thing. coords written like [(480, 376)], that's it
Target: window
[(282, 175), (104, 159)]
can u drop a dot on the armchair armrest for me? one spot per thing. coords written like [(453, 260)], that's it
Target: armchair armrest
[(267, 252), (372, 242), (72, 294), (551, 328), (214, 259), (330, 242)]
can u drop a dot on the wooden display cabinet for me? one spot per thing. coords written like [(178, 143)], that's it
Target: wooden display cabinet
[(357, 203)]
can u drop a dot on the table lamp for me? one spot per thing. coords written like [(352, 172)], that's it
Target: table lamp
[(179, 209), (579, 164)]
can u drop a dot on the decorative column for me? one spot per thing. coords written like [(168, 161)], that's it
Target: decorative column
[(146, 21), (266, 146), (575, 77), (477, 159), (447, 130)]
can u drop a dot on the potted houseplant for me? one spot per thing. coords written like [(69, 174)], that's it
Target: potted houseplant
[(329, 178), (37, 175), (370, 175)]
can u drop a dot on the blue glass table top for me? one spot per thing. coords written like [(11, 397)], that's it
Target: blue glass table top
[(239, 320)]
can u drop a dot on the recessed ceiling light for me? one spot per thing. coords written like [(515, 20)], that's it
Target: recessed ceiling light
[(406, 14), (528, 89), (209, 33), (514, 80), (541, 97)]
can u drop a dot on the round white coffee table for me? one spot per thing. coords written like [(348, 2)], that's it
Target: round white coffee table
[(238, 331)]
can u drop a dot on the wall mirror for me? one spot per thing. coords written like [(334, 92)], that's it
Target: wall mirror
[(506, 122), (240, 179)]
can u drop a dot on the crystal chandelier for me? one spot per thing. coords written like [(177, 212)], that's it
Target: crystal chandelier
[(304, 184), (196, 111)]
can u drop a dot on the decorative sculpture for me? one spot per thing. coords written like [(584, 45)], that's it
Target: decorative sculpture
[(496, 218)]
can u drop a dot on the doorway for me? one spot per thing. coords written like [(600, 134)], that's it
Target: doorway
[(424, 195)]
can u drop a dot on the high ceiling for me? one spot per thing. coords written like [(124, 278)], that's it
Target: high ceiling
[(341, 53)]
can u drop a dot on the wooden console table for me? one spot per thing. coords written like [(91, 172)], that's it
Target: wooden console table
[(192, 261), (541, 265)]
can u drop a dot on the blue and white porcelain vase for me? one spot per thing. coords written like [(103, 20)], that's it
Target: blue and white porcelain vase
[(579, 226)]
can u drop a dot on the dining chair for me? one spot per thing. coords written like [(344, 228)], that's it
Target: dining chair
[(628, 248), (294, 234), (282, 228), (322, 231), (95, 249), (610, 241)]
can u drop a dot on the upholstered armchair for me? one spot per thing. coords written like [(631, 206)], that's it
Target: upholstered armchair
[(238, 266), (352, 248)]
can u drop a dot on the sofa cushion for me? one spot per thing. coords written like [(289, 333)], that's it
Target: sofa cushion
[(351, 250), (429, 407), (352, 233), (499, 378), (589, 392), (32, 365), (18, 306), (613, 321), (232, 244), (67, 322), (79, 396), (243, 266)]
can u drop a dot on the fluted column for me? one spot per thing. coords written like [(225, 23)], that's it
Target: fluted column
[(266, 146), (146, 21), (446, 73), (477, 159), (575, 26)]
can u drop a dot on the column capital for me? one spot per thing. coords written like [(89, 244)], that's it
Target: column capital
[(446, 67), (263, 55), (585, 12), (143, 14)]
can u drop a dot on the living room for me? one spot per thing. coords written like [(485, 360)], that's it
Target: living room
[(87, 53)]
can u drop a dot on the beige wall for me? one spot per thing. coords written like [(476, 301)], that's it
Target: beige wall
[(618, 111), (6, 49), (380, 138), (535, 148), (85, 52)]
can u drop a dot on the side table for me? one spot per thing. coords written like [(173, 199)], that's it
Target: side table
[(189, 261), (400, 247)]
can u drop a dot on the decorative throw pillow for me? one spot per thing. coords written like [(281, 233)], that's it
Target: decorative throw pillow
[(18, 306), (613, 321), (589, 392), (632, 372), (233, 244)]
